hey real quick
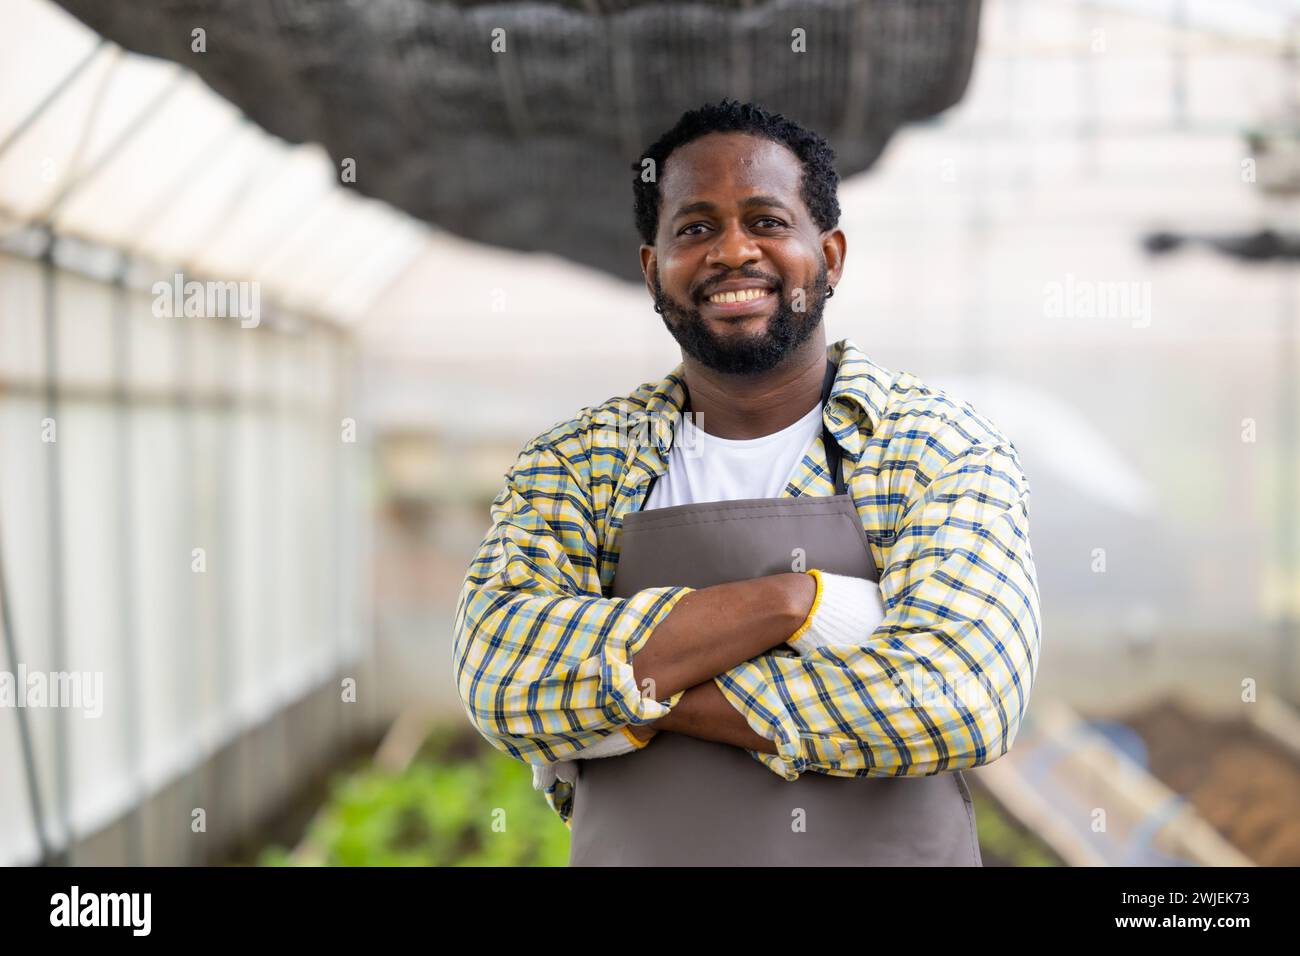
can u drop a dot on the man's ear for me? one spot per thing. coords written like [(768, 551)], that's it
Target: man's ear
[(649, 263), (834, 247)]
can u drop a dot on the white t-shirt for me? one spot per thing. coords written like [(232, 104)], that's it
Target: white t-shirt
[(704, 467)]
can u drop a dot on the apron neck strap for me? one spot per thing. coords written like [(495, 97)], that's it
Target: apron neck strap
[(833, 451)]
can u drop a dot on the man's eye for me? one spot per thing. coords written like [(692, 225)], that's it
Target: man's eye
[(686, 231), (777, 223)]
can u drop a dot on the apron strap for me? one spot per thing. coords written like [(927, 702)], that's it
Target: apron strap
[(833, 451)]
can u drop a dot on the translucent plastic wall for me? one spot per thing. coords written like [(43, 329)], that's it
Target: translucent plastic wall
[(179, 519)]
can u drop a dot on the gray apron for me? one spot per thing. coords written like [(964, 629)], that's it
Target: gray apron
[(684, 801)]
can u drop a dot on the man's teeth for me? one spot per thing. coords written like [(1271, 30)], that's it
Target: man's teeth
[(744, 295)]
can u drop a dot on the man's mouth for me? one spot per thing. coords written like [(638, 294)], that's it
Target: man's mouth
[(740, 295)]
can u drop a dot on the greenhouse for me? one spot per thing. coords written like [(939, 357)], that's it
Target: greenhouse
[(286, 288)]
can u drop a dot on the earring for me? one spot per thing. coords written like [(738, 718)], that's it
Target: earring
[(830, 292), (659, 310)]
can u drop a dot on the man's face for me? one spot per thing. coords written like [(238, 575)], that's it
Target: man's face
[(732, 220)]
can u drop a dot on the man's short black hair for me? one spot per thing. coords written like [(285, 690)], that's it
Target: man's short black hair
[(820, 181)]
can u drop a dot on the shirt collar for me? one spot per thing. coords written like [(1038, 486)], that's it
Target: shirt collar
[(858, 397)]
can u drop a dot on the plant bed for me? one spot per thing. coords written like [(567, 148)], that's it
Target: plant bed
[(288, 821), (440, 811), (1246, 785), (1003, 840), (459, 803)]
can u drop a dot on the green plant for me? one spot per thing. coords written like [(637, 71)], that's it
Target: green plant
[(1005, 843), (446, 809)]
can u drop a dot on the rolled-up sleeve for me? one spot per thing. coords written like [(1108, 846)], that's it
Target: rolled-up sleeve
[(542, 660), (942, 682)]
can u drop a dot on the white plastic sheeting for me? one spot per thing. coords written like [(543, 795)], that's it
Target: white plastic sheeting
[(227, 441), (180, 515)]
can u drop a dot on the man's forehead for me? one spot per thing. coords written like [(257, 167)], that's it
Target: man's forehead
[(718, 162)]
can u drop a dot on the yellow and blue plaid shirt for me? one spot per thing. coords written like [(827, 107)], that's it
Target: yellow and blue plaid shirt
[(542, 656)]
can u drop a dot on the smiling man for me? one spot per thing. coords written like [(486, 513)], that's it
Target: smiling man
[(778, 627)]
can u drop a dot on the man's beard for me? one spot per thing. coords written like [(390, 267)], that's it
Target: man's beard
[(745, 354)]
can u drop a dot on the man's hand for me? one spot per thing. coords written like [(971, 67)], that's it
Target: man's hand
[(643, 731), (705, 712), (715, 628), (844, 609), (762, 612)]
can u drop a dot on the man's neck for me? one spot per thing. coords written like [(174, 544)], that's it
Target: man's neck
[(751, 406)]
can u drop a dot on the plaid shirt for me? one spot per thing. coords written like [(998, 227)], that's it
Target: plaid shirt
[(542, 655)]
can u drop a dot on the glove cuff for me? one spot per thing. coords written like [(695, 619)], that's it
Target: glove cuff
[(844, 611), (794, 639)]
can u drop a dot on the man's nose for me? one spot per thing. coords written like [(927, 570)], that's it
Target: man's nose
[(733, 247)]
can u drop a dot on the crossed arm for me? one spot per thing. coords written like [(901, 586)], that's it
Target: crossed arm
[(547, 667), (741, 620), (705, 712)]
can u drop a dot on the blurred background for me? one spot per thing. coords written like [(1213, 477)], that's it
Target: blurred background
[(234, 524)]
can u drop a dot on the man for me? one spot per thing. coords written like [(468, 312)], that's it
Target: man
[(739, 654)]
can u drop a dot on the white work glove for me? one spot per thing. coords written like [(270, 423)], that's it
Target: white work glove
[(845, 610), (621, 741)]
